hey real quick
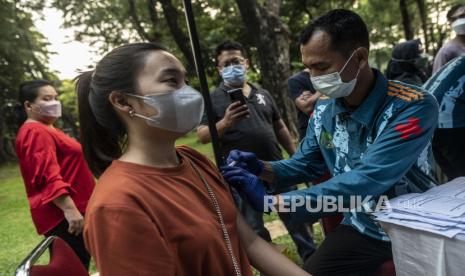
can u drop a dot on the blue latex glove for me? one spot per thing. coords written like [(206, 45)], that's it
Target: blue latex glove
[(246, 160), (249, 186)]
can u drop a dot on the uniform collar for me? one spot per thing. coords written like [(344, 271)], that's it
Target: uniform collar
[(366, 112)]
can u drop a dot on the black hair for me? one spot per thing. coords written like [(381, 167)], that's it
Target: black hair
[(229, 45), (102, 132), (452, 10), (345, 28), (407, 50), (29, 90)]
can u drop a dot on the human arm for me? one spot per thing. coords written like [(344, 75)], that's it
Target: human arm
[(392, 154), (301, 91), (262, 255), (72, 215), (284, 136), (306, 101), (443, 56), (234, 113), (306, 164)]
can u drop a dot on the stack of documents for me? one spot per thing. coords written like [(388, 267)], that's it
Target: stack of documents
[(440, 210)]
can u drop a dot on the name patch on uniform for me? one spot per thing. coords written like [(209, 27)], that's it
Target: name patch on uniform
[(326, 140)]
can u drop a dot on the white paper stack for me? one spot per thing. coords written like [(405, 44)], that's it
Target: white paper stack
[(440, 210)]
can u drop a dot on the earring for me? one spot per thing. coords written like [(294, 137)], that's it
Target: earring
[(131, 112)]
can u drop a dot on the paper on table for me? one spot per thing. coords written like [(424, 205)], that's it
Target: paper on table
[(440, 210)]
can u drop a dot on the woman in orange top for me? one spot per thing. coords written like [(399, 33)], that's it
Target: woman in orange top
[(158, 209)]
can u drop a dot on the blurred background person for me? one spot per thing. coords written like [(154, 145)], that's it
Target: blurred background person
[(57, 179), (408, 63), (253, 124), (456, 46), (304, 96)]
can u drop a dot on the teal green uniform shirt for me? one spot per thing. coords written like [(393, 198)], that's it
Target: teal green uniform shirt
[(381, 148)]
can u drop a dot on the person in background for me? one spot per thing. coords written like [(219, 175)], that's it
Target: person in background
[(448, 86), (158, 209), (408, 63), (255, 126), (303, 94), (57, 179), (455, 47), (371, 135)]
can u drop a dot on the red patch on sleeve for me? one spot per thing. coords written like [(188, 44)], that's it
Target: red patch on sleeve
[(412, 127)]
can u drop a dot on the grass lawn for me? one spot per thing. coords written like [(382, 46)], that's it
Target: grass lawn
[(17, 233)]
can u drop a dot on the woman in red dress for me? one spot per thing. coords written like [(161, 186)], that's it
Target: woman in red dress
[(57, 179)]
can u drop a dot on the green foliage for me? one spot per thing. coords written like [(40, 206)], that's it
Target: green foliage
[(23, 53), (17, 233), (68, 122), (106, 24), (109, 23), (23, 56)]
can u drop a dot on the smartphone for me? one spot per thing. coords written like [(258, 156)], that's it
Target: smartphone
[(236, 95)]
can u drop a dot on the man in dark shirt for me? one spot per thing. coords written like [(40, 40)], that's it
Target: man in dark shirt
[(255, 126), (303, 94)]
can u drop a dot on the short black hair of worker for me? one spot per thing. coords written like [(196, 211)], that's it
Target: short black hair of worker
[(29, 90), (345, 28), (453, 10), (229, 45)]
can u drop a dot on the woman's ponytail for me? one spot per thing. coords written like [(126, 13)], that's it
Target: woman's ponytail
[(100, 144)]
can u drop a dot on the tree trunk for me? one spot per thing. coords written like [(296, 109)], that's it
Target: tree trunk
[(7, 152), (136, 21), (424, 22), (182, 40), (440, 29), (271, 37), (156, 34), (406, 21), (3, 154)]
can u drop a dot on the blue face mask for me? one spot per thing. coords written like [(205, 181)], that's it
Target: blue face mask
[(234, 74)]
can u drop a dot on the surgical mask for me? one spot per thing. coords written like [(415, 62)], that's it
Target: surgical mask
[(178, 111), (459, 26), (234, 74), (50, 109), (331, 85)]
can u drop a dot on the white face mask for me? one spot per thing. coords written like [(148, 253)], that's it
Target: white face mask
[(459, 26), (331, 85), (179, 111), (51, 109)]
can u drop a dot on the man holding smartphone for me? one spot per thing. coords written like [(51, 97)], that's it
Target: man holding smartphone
[(247, 119)]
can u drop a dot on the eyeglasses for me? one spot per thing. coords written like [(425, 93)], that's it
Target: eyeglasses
[(233, 61)]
